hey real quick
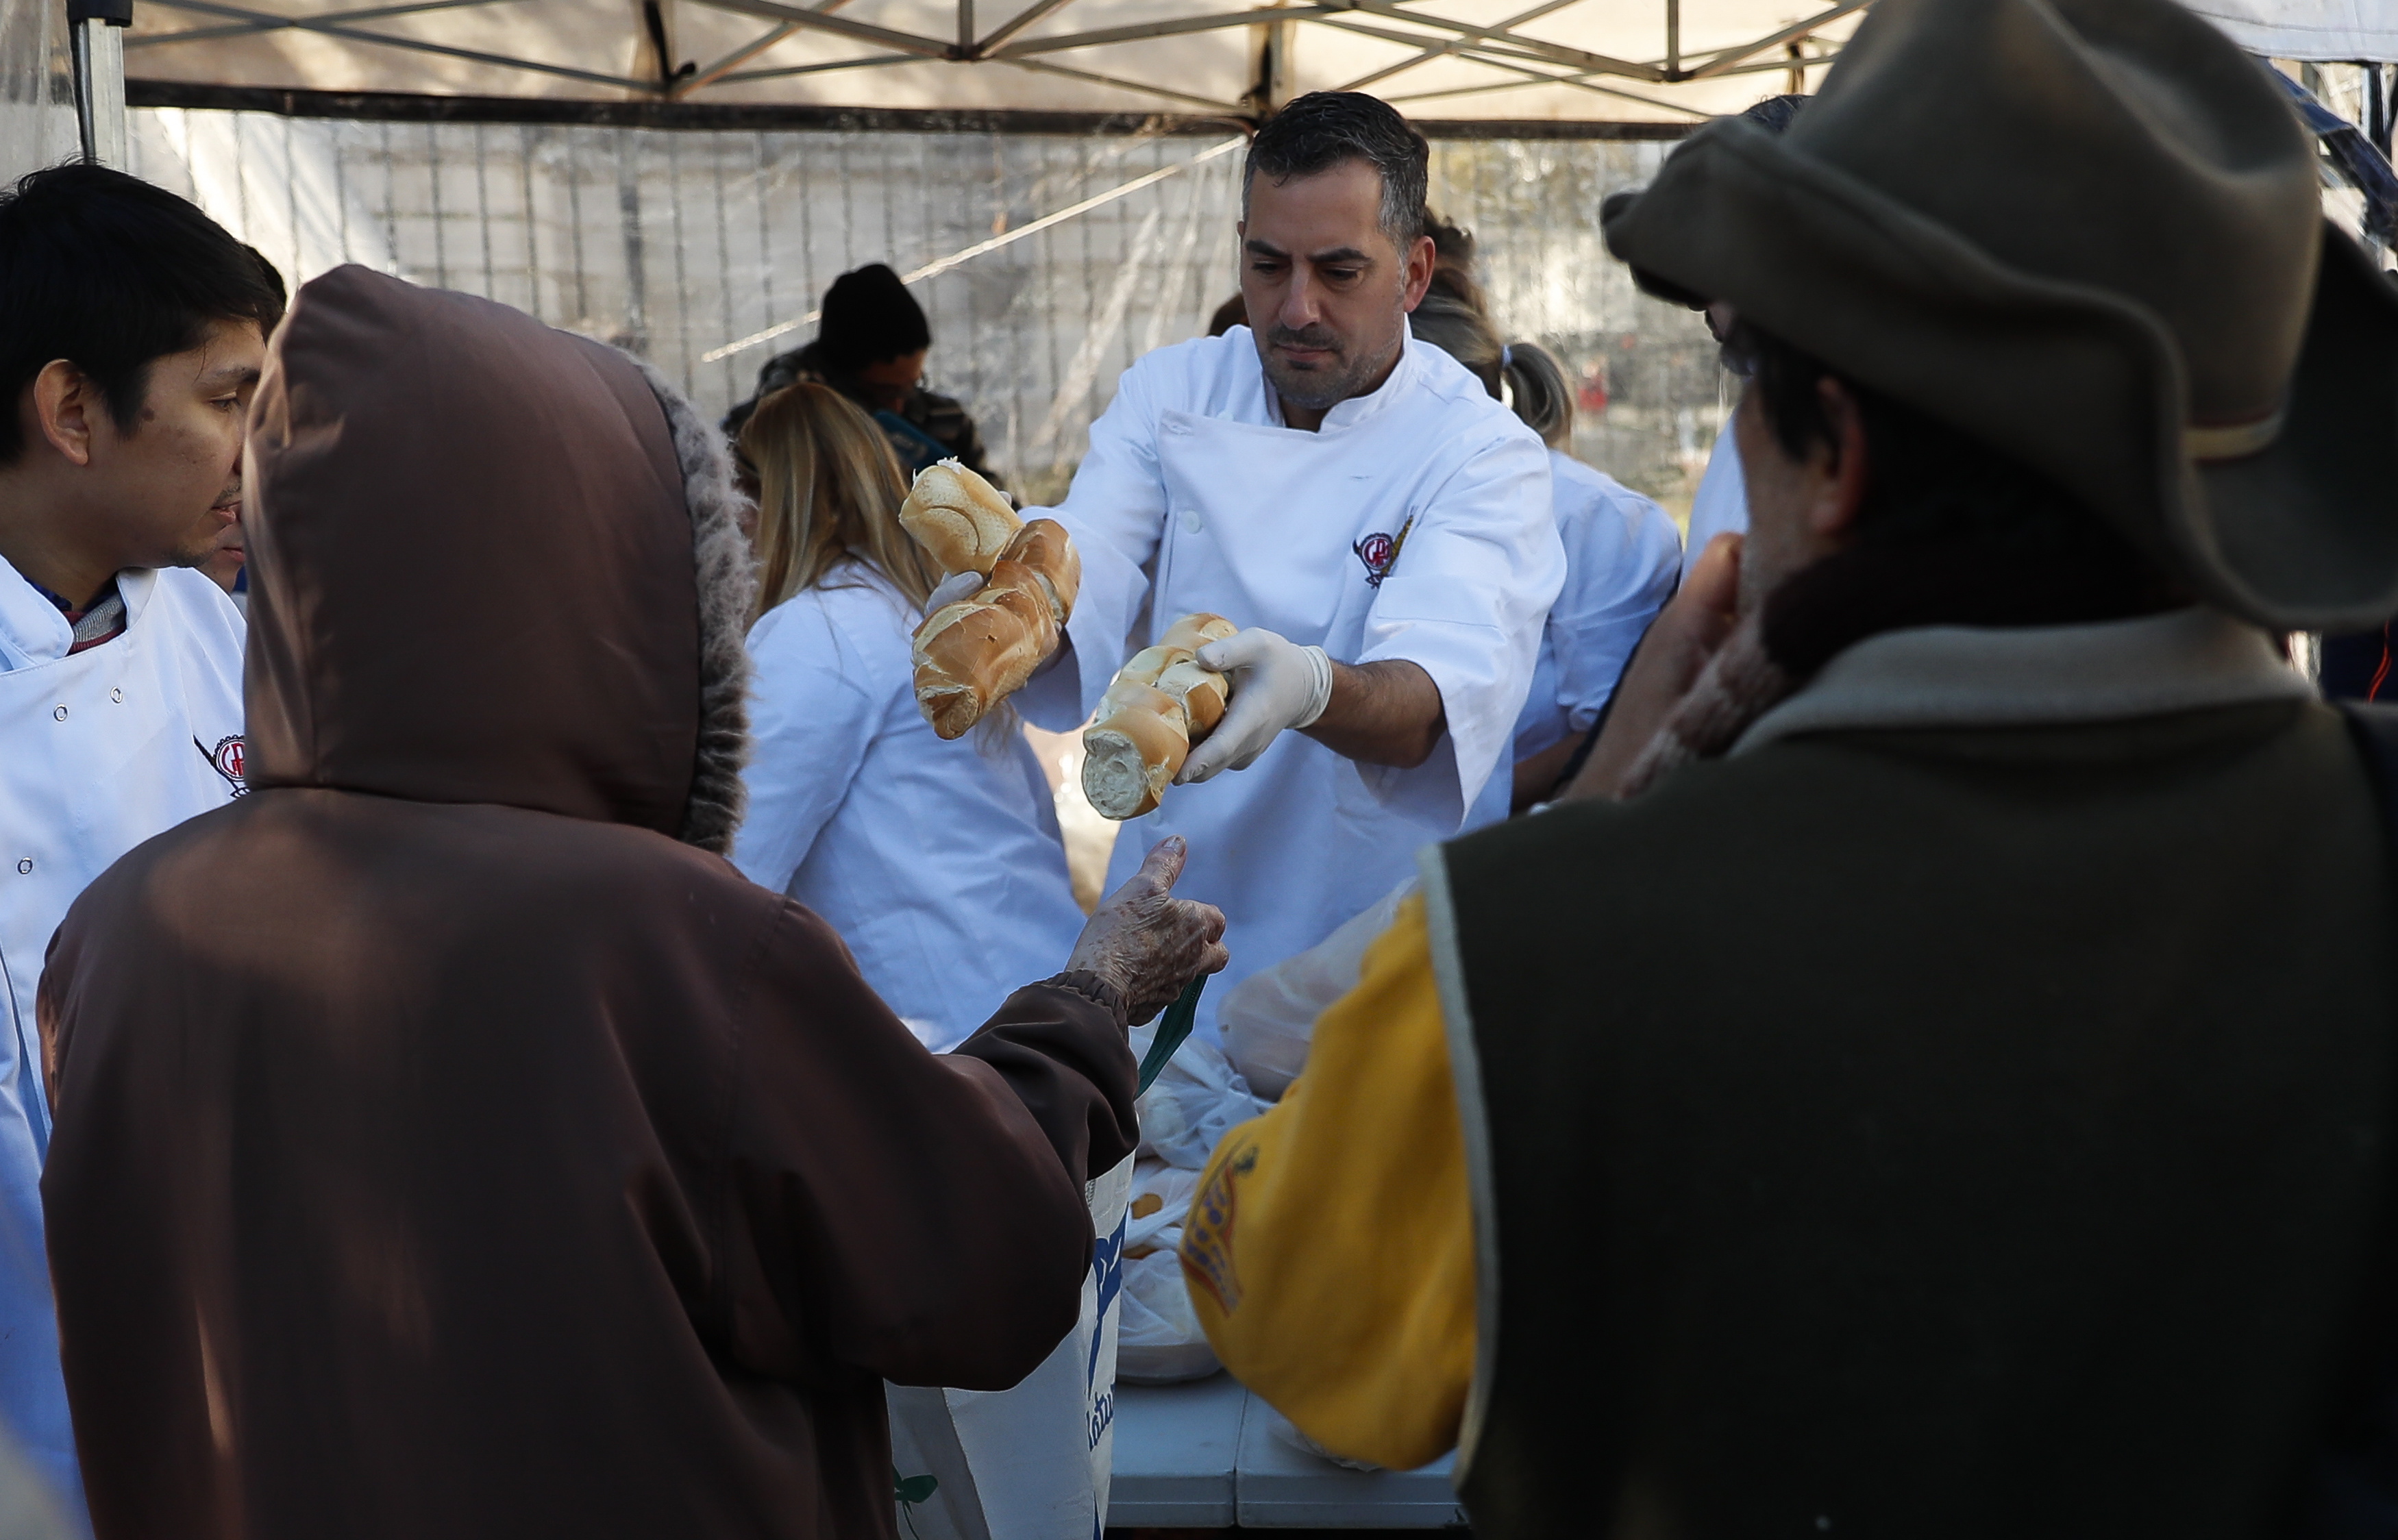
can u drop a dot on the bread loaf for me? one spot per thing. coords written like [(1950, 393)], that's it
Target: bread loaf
[(1160, 704), (972, 655), (1044, 546), (1193, 632), (963, 522)]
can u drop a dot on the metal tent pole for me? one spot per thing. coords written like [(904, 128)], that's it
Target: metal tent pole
[(98, 50), (2378, 106)]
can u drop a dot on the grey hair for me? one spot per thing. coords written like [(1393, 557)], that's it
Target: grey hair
[(1322, 129), (727, 580)]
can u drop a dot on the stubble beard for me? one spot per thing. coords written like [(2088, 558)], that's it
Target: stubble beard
[(1322, 389), (1317, 389)]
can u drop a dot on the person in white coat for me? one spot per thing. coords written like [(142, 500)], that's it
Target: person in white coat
[(1623, 557), (1378, 525), (1720, 505), (940, 863), (132, 329)]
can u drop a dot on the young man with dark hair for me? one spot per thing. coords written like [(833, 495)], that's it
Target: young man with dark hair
[(131, 332), (1938, 1080), (1378, 525), (871, 346)]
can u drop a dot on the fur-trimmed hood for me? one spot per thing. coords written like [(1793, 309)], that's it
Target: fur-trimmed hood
[(491, 562)]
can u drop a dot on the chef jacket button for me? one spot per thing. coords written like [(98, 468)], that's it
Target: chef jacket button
[(59, 714), (1192, 522), (25, 865), (117, 695)]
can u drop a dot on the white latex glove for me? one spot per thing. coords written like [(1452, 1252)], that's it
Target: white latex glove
[(956, 588), (1276, 684)]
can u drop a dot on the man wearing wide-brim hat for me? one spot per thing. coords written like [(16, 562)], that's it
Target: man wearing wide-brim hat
[(1938, 1081)]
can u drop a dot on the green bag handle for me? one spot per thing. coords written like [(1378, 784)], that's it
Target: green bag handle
[(1171, 1031)]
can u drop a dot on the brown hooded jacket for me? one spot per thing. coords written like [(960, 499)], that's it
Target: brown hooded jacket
[(450, 1142)]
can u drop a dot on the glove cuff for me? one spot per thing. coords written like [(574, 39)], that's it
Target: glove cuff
[(1321, 662)]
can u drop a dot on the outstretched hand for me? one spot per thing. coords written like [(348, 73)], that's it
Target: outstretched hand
[(1146, 941)]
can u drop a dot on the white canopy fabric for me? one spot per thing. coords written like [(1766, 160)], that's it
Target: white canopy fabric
[(1563, 60), (2314, 31)]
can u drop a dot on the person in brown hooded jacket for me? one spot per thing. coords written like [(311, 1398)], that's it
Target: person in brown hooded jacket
[(450, 1140)]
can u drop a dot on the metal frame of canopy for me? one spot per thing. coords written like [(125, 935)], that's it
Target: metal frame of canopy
[(1511, 57)]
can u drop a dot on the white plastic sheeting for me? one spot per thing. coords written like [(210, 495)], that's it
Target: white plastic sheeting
[(37, 124), (678, 242), (2316, 31)]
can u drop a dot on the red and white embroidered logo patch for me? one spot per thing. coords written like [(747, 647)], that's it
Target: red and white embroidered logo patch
[(227, 759)]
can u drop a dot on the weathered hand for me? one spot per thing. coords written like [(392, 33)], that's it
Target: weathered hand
[(1147, 943), (1672, 656)]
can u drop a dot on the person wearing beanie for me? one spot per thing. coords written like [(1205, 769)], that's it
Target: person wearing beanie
[(871, 346), (1937, 1079)]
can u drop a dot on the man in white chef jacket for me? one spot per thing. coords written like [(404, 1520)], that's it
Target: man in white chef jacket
[(1378, 525), (131, 332)]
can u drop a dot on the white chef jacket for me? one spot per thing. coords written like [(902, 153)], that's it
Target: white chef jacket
[(1720, 505), (1415, 524), (938, 863), (102, 750), (1624, 559)]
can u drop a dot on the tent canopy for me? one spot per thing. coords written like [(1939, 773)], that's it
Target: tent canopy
[(1653, 61), (2317, 32)]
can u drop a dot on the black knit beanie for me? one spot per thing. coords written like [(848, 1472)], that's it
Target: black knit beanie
[(870, 316)]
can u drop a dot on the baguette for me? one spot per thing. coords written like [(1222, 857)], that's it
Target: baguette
[(962, 521), (971, 655), (1044, 546), (1161, 703), (1193, 632)]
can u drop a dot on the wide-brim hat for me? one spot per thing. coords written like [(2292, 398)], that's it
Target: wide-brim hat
[(2087, 232)]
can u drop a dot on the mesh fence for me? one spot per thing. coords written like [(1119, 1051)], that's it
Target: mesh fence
[(678, 244), (37, 121)]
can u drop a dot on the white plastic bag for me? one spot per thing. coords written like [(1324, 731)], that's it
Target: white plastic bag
[(1161, 1341), (1161, 1196), (1269, 1018), (1196, 1097), (1037, 1458)]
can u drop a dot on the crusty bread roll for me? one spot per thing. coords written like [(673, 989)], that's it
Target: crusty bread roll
[(963, 522), (1193, 632), (974, 654), (1044, 546), (1202, 692), (1160, 704)]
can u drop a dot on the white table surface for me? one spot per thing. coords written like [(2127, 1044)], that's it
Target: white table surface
[(1206, 1454)]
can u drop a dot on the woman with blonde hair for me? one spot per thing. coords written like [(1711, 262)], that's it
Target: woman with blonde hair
[(938, 863)]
